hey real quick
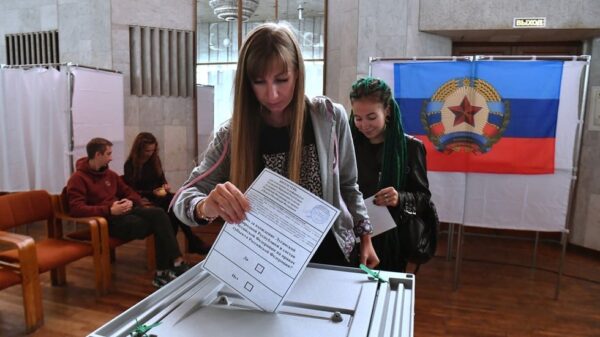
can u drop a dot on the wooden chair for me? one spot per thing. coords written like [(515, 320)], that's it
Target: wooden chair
[(25, 274), (51, 253), (109, 244)]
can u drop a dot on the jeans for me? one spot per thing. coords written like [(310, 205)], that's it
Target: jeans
[(143, 221)]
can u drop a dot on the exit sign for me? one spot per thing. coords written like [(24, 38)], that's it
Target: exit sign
[(529, 22)]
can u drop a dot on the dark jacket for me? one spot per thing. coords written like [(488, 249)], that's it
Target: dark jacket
[(147, 182), (390, 244), (369, 159)]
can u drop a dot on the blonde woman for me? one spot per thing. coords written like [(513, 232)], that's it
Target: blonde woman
[(275, 126)]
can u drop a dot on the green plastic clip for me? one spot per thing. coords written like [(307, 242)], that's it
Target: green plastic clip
[(372, 273), (141, 329)]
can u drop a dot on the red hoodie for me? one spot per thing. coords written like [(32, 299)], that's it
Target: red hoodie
[(91, 193)]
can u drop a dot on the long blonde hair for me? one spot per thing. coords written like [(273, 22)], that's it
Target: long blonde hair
[(264, 46)]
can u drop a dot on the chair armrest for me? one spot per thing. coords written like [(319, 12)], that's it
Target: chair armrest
[(98, 225), (91, 221), (26, 249), (98, 228), (19, 240), (55, 228)]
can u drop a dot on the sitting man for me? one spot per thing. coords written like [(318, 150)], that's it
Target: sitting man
[(96, 190)]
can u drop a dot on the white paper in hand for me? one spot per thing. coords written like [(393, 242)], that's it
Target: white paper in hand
[(380, 217), (263, 257)]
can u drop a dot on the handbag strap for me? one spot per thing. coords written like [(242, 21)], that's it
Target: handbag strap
[(201, 176), (410, 204)]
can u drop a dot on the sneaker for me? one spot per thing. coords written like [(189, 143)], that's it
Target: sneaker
[(175, 272), (161, 279), (166, 276)]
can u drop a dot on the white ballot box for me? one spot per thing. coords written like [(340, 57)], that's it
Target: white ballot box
[(326, 301)]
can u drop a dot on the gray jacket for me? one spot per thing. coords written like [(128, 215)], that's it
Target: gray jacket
[(338, 174)]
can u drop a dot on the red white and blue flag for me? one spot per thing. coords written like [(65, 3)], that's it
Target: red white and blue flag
[(500, 136), (484, 116)]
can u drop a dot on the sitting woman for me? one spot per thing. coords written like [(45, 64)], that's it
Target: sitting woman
[(391, 164), (144, 173)]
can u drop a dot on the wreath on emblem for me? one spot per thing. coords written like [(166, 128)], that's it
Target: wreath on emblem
[(465, 114)]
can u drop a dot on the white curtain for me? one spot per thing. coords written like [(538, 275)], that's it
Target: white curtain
[(33, 129), (98, 110)]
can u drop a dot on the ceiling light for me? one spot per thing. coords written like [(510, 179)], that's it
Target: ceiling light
[(228, 9)]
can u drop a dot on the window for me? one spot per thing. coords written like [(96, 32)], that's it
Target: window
[(217, 46)]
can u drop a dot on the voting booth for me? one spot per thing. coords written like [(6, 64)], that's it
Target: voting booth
[(326, 301)]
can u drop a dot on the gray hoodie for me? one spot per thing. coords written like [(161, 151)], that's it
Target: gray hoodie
[(338, 173)]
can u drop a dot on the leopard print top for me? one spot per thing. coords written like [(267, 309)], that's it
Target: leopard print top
[(274, 152)]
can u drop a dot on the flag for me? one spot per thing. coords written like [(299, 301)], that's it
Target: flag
[(505, 201), (482, 116)]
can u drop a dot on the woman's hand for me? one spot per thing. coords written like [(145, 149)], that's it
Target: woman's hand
[(368, 256), (387, 196), (225, 201), (159, 192)]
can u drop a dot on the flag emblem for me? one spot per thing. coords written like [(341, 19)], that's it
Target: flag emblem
[(465, 115)]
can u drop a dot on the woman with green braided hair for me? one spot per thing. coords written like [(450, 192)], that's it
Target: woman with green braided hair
[(391, 165)]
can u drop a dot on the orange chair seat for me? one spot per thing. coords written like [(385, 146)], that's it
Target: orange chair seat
[(52, 253), (8, 278)]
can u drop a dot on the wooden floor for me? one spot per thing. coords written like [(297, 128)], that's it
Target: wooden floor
[(499, 295)]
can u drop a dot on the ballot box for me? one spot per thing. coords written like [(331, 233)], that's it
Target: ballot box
[(326, 301)]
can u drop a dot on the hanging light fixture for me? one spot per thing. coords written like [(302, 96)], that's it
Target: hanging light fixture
[(228, 9), (300, 11)]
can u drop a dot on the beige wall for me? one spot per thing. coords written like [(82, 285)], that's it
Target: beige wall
[(84, 32), (170, 119), (359, 29), (25, 16)]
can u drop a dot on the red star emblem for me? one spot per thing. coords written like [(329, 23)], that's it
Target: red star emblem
[(465, 112)]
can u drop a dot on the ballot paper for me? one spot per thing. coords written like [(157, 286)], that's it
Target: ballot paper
[(263, 257), (379, 216)]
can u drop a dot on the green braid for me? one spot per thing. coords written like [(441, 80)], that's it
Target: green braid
[(394, 148)]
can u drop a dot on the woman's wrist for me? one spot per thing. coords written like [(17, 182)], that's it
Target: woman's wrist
[(201, 212), (363, 227)]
